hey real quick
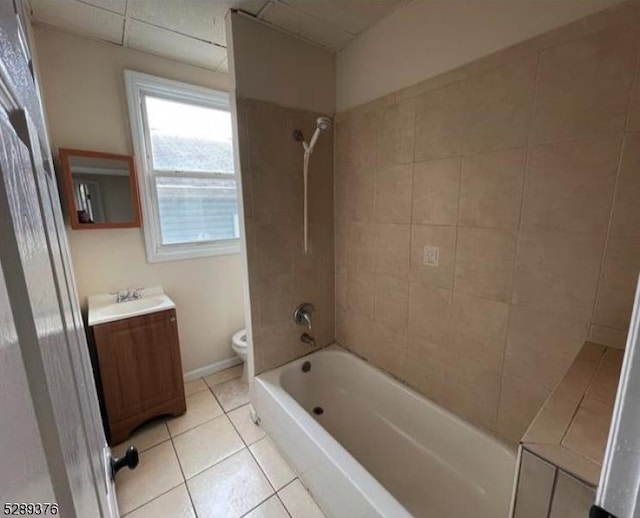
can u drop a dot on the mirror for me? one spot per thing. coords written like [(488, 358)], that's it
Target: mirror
[(101, 189)]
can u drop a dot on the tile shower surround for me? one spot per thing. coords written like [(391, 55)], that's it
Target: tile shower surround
[(281, 276), (523, 168)]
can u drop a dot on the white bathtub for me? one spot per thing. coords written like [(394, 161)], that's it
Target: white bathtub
[(378, 448)]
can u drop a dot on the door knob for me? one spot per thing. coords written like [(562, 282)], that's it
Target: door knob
[(130, 459)]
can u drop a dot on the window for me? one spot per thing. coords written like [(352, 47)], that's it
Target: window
[(182, 138)]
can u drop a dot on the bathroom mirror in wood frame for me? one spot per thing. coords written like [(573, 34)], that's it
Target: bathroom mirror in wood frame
[(101, 189)]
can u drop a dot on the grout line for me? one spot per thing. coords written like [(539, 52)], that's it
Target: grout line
[(261, 469), (154, 499), (184, 478), (172, 437), (238, 429), (607, 235), (289, 483), (623, 147), (126, 29), (457, 229), (286, 509), (519, 231)]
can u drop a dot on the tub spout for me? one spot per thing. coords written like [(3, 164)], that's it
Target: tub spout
[(308, 339)]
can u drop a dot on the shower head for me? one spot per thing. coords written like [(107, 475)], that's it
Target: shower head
[(323, 123)]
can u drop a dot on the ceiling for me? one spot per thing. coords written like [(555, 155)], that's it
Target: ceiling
[(192, 31)]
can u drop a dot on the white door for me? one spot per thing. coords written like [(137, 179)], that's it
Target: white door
[(26, 476), (70, 435), (64, 448)]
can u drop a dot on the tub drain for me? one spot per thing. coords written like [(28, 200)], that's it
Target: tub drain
[(306, 366), (318, 410)]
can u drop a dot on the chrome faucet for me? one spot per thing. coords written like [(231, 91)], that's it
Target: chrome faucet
[(128, 294), (302, 315)]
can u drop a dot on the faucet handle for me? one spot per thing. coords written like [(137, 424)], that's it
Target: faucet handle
[(302, 315)]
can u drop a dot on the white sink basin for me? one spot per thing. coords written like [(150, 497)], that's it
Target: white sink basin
[(103, 308)]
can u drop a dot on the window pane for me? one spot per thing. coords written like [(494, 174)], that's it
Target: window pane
[(187, 137), (193, 210)]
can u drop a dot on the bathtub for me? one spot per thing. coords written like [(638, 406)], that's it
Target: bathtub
[(367, 446)]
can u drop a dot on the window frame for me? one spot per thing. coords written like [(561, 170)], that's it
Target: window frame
[(139, 85)]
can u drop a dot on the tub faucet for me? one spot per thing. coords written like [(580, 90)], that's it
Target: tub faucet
[(308, 339), (302, 315)]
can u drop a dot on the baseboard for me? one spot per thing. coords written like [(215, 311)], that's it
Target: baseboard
[(210, 369)]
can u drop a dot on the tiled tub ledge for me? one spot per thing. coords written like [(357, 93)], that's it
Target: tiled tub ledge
[(563, 449)]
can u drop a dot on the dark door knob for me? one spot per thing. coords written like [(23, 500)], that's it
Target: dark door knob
[(130, 459)]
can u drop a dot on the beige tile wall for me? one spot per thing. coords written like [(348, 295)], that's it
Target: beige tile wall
[(524, 170), (281, 276)]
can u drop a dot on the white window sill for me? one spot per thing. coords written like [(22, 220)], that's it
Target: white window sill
[(181, 253)]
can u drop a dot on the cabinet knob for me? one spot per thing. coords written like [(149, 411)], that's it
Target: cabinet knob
[(172, 319)]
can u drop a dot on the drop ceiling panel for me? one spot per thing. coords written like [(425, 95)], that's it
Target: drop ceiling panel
[(79, 18), (352, 16), (303, 24), (163, 42), (202, 19), (117, 6), (186, 30)]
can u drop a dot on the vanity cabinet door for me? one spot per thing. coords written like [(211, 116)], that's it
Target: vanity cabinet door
[(140, 370)]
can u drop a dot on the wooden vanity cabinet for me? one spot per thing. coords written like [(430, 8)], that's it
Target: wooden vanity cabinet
[(140, 371)]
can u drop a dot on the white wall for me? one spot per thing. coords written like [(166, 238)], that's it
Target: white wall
[(426, 38), (272, 66), (85, 102)]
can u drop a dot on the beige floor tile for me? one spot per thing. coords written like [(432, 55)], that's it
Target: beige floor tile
[(206, 445), (201, 407), (225, 375), (148, 435), (272, 508), (231, 488), (299, 502), (191, 387), (275, 467), (174, 504), (157, 473), (248, 430), (232, 394)]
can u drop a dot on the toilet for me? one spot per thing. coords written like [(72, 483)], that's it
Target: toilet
[(239, 345)]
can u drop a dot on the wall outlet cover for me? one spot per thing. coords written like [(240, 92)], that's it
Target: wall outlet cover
[(431, 256)]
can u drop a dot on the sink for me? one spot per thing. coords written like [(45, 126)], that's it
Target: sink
[(103, 308)]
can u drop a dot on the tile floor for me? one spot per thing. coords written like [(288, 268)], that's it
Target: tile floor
[(213, 461)]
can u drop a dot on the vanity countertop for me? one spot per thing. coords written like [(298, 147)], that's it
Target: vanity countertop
[(104, 307), (572, 426)]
